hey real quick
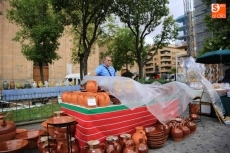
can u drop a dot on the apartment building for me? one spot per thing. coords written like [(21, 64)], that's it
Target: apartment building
[(164, 60)]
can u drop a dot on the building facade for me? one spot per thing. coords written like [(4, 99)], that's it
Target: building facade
[(15, 67), (164, 60)]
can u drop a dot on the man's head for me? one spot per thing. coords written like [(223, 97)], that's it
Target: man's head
[(107, 61)]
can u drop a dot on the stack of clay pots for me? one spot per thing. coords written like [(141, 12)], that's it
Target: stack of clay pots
[(90, 98)]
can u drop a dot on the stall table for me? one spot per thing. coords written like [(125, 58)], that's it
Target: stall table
[(98, 123)]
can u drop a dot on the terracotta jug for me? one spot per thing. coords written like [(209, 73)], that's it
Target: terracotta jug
[(69, 97), (191, 125), (139, 134), (167, 130), (12, 85), (91, 86), (63, 146), (94, 146), (7, 128), (123, 138), (50, 148), (117, 144), (74, 97), (5, 85), (103, 99), (130, 147), (109, 145), (176, 132), (85, 99), (43, 141), (185, 129), (142, 147)]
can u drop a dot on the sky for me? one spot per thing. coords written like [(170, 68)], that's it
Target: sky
[(176, 8)]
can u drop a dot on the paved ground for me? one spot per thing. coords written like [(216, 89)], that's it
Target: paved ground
[(210, 137)]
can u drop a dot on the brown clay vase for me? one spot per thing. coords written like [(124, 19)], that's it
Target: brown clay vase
[(176, 132), (167, 131), (109, 145), (50, 129), (74, 97), (103, 99), (68, 97), (13, 146), (142, 147), (130, 147), (50, 148), (122, 140), (139, 134), (185, 129), (12, 85), (7, 128), (91, 86), (94, 146), (191, 125)]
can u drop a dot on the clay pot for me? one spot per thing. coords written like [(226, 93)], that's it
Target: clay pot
[(13, 146), (27, 85), (69, 97), (123, 138), (84, 100), (191, 126), (130, 147), (18, 85), (12, 85), (193, 116), (43, 141), (31, 136), (103, 99), (7, 128), (142, 147), (62, 146), (50, 129), (64, 96), (91, 86), (176, 132), (5, 85), (94, 146), (74, 97), (40, 84), (50, 148), (194, 108), (139, 134), (185, 129), (109, 146)]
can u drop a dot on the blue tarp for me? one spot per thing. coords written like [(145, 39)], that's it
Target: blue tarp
[(32, 93)]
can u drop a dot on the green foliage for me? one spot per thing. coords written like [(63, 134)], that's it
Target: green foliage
[(173, 70), (142, 17), (121, 48), (219, 28)]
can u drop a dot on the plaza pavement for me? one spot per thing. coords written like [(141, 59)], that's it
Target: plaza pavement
[(210, 137)]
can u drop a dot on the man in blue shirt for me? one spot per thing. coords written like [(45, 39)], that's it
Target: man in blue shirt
[(105, 69)]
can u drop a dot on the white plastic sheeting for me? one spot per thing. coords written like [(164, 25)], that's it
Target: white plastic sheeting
[(165, 102)]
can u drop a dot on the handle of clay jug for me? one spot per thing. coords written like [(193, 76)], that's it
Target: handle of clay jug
[(11, 116), (59, 147)]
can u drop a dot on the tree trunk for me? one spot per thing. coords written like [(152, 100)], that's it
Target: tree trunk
[(85, 66), (81, 68), (140, 65), (41, 72), (126, 62)]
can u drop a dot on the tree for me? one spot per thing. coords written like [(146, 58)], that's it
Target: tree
[(142, 17), (121, 48), (219, 28), (86, 17), (39, 31)]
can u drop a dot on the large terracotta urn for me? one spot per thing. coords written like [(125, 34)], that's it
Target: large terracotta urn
[(139, 134), (7, 128), (91, 86)]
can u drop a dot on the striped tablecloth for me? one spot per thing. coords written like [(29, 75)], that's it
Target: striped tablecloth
[(98, 123)]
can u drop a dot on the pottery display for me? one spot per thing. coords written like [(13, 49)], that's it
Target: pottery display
[(5, 85), (94, 146), (185, 129), (191, 125), (7, 128), (112, 145), (62, 145), (12, 85), (155, 137), (50, 148), (87, 99), (91, 86), (50, 129), (13, 146), (139, 134), (31, 136), (60, 120), (130, 147), (64, 96)]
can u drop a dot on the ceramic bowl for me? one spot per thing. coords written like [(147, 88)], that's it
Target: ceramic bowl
[(60, 120), (13, 146)]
